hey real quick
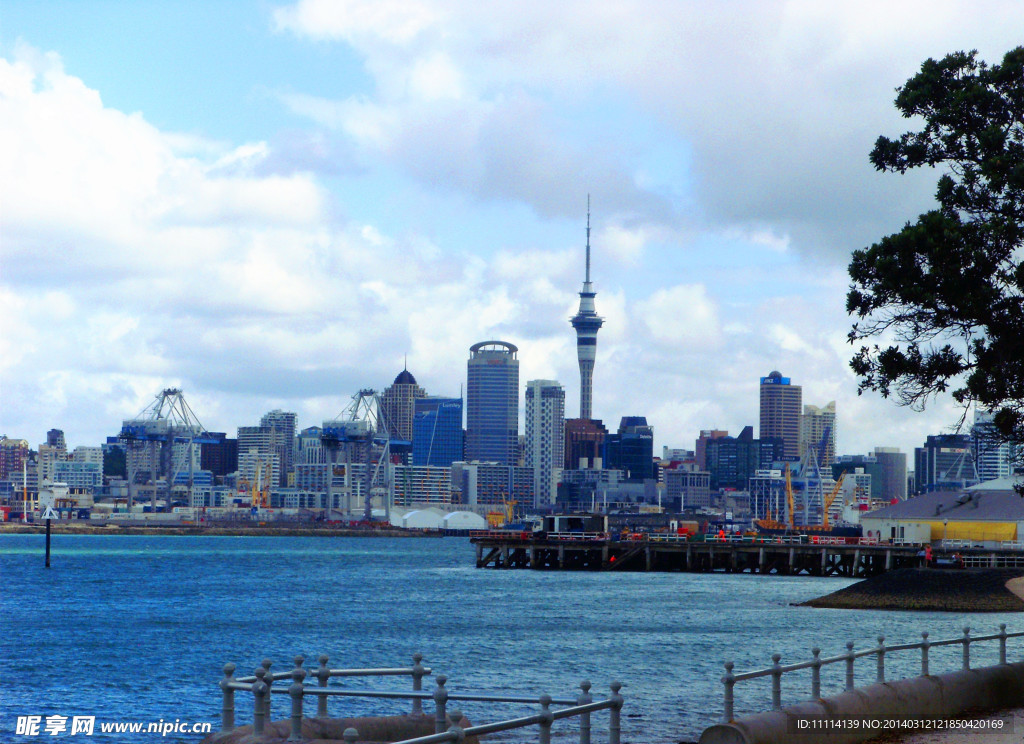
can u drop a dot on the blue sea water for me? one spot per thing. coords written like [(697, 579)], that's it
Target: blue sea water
[(138, 628)]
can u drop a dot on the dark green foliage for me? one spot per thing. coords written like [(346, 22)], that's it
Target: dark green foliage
[(945, 295), (114, 463)]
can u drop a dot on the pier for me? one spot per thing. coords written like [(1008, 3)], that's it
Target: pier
[(784, 555)]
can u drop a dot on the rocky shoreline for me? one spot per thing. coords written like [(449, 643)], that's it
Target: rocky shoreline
[(213, 530), (932, 590)]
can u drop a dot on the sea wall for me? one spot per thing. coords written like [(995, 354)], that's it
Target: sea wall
[(214, 531), (932, 697)]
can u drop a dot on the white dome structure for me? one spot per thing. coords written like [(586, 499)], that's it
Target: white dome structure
[(423, 519), (464, 520)]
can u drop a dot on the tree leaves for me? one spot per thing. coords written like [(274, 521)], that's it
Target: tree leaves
[(945, 292)]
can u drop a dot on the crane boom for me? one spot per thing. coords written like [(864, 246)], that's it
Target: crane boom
[(789, 497), (831, 498)]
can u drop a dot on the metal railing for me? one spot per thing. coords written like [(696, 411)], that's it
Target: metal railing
[(993, 560), (501, 534), (879, 652), (447, 723), (577, 536)]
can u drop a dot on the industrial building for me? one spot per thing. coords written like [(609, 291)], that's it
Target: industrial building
[(987, 514)]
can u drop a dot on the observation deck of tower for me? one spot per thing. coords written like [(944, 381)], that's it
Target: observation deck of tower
[(587, 323)]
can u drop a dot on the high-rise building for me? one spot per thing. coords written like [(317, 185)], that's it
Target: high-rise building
[(631, 449), (945, 463), (480, 483), (421, 484), (815, 424), (687, 488), (492, 402), (891, 481), (701, 448), (437, 437), (545, 437), (780, 413), (282, 435), (587, 323), (310, 449), (13, 458), (584, 443), (219, 456), (55, 438), (992, 453), (732, 461), (257, 448), (398, 405)]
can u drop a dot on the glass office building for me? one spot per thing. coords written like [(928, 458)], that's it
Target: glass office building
[(437, 431), (492, 403)]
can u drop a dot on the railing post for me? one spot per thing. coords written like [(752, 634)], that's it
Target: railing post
[(547, 718), (440, 701), (323, 675), (967, 648), (925, 645), (455, 731), (227, 710), (295, 691), (880, 677), (417, 682), (729, 682), (585, 698), (259, 708), (269, 679), (776, 682), (849, 665), (1002, 643), (615, 715), (816, 674)]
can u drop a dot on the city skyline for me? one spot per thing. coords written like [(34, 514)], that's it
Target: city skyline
[(272, 213)]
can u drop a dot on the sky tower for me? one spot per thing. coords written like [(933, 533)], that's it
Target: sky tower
[(587, 323)]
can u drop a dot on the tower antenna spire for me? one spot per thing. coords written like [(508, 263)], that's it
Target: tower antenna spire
[(588, 239), (587, 323)]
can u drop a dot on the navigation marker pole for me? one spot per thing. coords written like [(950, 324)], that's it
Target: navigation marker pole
[(46, 501)]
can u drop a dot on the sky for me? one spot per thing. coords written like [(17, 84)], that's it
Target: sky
[(273, 204)]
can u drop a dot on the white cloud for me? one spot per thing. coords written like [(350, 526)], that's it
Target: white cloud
[(777, 103), (393, 21), (683, 316), (135, 258)]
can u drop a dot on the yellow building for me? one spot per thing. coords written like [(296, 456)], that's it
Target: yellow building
[(987, 515)]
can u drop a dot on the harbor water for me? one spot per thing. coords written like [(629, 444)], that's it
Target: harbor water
[(138, 628)]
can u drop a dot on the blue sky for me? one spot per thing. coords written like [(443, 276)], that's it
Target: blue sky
[(270, 204)]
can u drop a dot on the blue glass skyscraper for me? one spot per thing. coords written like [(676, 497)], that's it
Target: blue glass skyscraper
[(492, 403), (437, 431)]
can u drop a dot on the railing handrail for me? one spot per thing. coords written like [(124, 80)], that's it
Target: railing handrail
[(261, 685), (777, 670), (577, 536), (382, 672)]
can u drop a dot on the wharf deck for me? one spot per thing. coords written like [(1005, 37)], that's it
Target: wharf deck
[(762, 557)]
